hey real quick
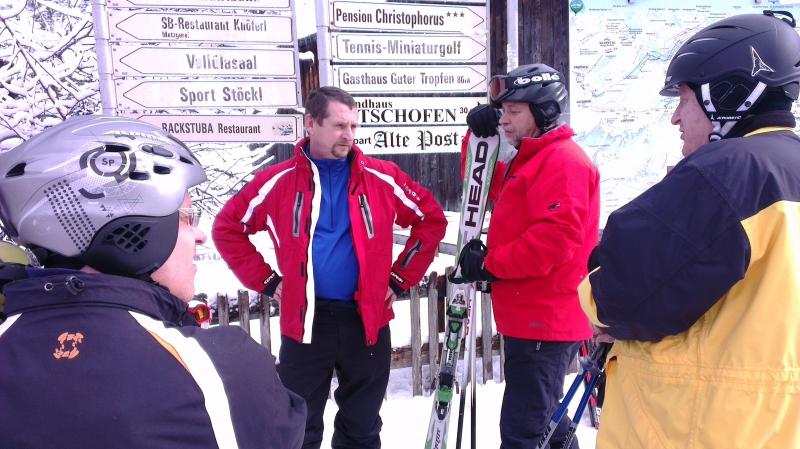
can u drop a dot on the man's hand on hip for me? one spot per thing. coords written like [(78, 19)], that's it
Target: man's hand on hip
[(390, 298)]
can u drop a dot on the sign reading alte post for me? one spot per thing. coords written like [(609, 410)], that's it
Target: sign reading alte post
[(206, 69)]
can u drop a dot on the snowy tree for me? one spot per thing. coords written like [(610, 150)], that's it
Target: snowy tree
[(48, 68)]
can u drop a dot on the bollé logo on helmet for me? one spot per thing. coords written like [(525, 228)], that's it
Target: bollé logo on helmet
[(543, 78), (116, 164)]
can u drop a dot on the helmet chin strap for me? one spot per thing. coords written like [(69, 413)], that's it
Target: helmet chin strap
[(723, 127)]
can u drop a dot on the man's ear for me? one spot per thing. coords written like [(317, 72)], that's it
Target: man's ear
[(309, 121)]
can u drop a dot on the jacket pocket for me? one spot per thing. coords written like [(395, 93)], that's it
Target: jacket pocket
[(367, 214), (298, 210)]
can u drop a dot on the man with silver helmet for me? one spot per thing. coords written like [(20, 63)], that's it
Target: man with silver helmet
[(98, 349), (544, 222), (698, 278)]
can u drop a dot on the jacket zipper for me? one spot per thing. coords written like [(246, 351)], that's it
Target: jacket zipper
[(365, 212), (411, 253), (298, 206)]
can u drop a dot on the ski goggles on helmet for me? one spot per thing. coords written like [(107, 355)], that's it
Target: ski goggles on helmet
[(503, 86), (200, 311)]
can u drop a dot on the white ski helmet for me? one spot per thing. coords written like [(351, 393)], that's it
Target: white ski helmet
[(102, 190)]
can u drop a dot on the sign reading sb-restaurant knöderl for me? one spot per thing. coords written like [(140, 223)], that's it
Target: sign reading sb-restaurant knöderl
[(416, 69), (207, 69)]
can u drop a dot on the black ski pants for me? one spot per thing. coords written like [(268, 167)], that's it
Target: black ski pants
[(535, 373), (339, 342)]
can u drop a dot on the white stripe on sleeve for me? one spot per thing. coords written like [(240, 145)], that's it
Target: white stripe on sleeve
[(204, 373), (8, 323), (398, 191), (262, 193)]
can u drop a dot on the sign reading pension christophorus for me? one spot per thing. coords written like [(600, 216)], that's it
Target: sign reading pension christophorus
[(190, 94), (227, 128), (237, 4), (406, 17), (134, 26), (358, 78), (349, 47), (132, 60)]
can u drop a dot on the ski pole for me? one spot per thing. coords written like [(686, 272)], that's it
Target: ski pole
[(586, 363), (573, 425)]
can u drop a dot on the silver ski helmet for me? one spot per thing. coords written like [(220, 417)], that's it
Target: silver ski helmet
[(735, 63), (102, 190), (539, 85)]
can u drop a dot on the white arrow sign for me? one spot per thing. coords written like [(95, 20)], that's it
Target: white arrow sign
[(415, 110), (380, 79), (193, 94), (348, 15), (133, 26), (227, 128), (130, 60), (429, 139), (238, 4), (406, 47)]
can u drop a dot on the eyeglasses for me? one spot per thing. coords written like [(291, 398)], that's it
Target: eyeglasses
[(190, 215)]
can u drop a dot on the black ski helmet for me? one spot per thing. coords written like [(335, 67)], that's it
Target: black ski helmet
[(539, 85), (733, 64)]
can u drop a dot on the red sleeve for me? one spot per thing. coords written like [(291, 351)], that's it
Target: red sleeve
[(416, 207), (244, 214), (499, 170), (554, 234)]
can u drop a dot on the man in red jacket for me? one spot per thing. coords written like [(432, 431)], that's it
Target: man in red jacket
[(330, 212), (544, 223)]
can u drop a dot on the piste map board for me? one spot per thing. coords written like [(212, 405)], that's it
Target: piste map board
[(619, 54)]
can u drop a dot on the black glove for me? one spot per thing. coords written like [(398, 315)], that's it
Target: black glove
[(471, 260), (483, 120)]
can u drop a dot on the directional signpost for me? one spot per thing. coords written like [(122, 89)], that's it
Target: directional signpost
[(368, 79), (130, 60), (136, 26), (237, 4), (403, 111), (416, 69), (192, 94), (235, 61), (406, 17), (406, 48), (228, 128)]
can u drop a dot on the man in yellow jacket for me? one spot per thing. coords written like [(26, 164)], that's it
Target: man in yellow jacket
[(698, 278)]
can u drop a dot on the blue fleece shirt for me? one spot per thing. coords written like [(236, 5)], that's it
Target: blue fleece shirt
[(335, 263)]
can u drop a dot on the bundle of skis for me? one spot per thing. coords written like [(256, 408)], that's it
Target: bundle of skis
[(478, 171)]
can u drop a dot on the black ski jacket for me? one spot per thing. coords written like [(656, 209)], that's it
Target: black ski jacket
[(92, 360)]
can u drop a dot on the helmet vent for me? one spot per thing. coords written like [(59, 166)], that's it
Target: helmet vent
[(17, 170), (139, 176), (129, 237), (68, 210), (730, 95), (115, 148), (159, 170), (186, 161)]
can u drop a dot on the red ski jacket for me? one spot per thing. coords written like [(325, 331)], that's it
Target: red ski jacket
[(284, 200), (544, 224)]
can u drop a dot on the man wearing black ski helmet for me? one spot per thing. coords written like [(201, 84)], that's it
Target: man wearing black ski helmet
[(98, 349), (544, 222), (698, 278)]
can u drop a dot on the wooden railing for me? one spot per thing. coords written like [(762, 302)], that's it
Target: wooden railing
[(416, 355)]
